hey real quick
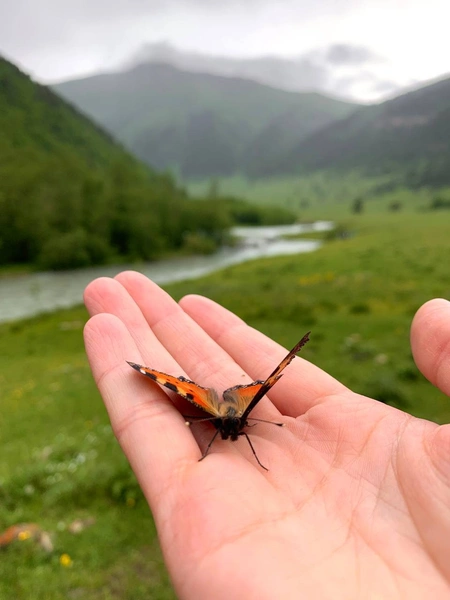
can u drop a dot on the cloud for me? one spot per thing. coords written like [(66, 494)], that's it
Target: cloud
[(354, 72), (347, 54), (365, 84), (61, 39), (301, 73), (53, 39), (386, 86)]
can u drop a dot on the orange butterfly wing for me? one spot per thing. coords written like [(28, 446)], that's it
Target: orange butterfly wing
[(275, 375), (204, 398), (240, 396)]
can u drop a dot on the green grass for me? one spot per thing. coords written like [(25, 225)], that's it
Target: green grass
[(60, 461), (322, 195), (14, 270)]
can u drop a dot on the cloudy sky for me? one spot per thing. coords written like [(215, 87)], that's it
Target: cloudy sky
[(372, 46)]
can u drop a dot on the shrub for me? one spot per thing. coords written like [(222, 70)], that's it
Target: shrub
[(65, 251)]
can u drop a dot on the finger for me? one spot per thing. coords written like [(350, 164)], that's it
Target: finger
[(201, 357), (108, 295), (150, 430), (105, 295), (430, 342), (302, 386)]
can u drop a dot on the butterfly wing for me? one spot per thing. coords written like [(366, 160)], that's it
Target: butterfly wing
[(240, 396), (204, 398), (274, 376)]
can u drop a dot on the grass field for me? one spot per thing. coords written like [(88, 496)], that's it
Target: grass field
[(60, 462), (322, 195)]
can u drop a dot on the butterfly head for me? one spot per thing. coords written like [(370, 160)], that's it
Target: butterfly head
[(230, 427)]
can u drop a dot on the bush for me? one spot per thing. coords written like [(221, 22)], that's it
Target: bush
[(197, 243), (246, 213), (440, 203), (70, 250)]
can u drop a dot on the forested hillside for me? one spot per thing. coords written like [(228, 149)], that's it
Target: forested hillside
[(71, 196), (408, 137)]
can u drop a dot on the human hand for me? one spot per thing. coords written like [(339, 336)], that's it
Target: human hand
[(356, 500)]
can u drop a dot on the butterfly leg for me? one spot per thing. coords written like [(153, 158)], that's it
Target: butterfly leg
[(253, 450), (208, 447)]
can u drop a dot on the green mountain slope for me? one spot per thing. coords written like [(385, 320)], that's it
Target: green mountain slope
[(34, 117), (408, 136), (201, 125), (71, 196)]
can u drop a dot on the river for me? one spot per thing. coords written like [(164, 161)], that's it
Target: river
[(27, 295)]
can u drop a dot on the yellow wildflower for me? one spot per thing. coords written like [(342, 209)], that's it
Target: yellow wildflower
[(65, 560)]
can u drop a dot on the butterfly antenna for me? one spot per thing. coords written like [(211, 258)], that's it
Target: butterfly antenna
[(196, 419), (264, 421)]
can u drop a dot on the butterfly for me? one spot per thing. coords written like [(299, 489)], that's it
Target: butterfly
[(230, 415)]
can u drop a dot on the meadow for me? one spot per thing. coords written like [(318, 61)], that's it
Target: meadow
[(321, 195), (60, 463)]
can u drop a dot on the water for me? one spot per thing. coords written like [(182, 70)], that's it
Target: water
[(35, 293)]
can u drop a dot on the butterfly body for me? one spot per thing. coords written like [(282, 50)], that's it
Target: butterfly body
[(230, 414)]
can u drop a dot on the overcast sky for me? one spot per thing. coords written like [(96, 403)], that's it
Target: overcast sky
[(403, 41)]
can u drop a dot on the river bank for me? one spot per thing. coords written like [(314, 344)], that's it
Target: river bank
[(26, 295)]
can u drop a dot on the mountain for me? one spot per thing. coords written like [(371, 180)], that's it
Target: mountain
[(302, 74), (409, 134), (71, 196), (203, 125), (343, 70), (198, 124), (34, 117)]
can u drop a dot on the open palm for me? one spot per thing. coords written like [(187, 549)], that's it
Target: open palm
[(356, 502)]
